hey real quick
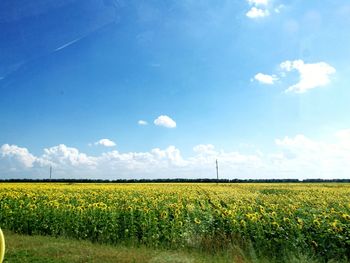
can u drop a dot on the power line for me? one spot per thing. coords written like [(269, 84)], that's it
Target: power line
[(217, 171)]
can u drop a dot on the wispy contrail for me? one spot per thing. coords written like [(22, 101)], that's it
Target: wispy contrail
[(68, 44)]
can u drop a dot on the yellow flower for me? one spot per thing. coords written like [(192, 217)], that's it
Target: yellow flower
[(197, 221), (346, 216)]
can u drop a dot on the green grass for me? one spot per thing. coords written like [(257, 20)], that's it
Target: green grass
[(44, 249), (23, 248)]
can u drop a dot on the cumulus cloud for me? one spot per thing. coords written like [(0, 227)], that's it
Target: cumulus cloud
[(165, 121), (313, 158), (294, 157), (63, 156), (142, 122), (262, 8), (204, 149), (69, 162), (265, 79), (17, 157), (231, 162), (258, 2), (343, 135), (311, 75), (258, 9), (255, 12), (106, 143)]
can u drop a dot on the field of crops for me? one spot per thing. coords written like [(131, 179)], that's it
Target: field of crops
[(270, 218)]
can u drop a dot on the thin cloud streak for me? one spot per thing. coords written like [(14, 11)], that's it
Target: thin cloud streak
[(68, 44)]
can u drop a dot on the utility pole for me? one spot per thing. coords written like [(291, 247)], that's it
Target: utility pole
[(50, 172), (217, 171)]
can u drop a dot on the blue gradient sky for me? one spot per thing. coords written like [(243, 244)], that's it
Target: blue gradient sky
[(80, 71)]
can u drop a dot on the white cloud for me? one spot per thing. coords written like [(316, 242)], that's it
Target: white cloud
[(105, 142), (143, 164), (318, 159), (63, 156), (294, 157), (142, 122), (171, 155), (265, 79), (258, 9), (343, 135), (229, 162), (311, 76), (17, 156), (68, 162), (165, 121), (262, 8), (258, 2), (255, 12), (204, 149), (299, 143)]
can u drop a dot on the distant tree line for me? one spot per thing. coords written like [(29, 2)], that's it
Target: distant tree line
[(176, 180)]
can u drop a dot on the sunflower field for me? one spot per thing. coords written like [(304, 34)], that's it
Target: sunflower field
[(270, 218)]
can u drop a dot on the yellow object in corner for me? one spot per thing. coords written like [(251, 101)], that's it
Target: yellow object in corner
[(2, 246)]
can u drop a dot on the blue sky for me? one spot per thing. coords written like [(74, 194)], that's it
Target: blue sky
[(262, 85)]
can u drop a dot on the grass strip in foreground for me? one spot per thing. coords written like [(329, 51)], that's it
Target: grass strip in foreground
[(24, 248), (45, 249)]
